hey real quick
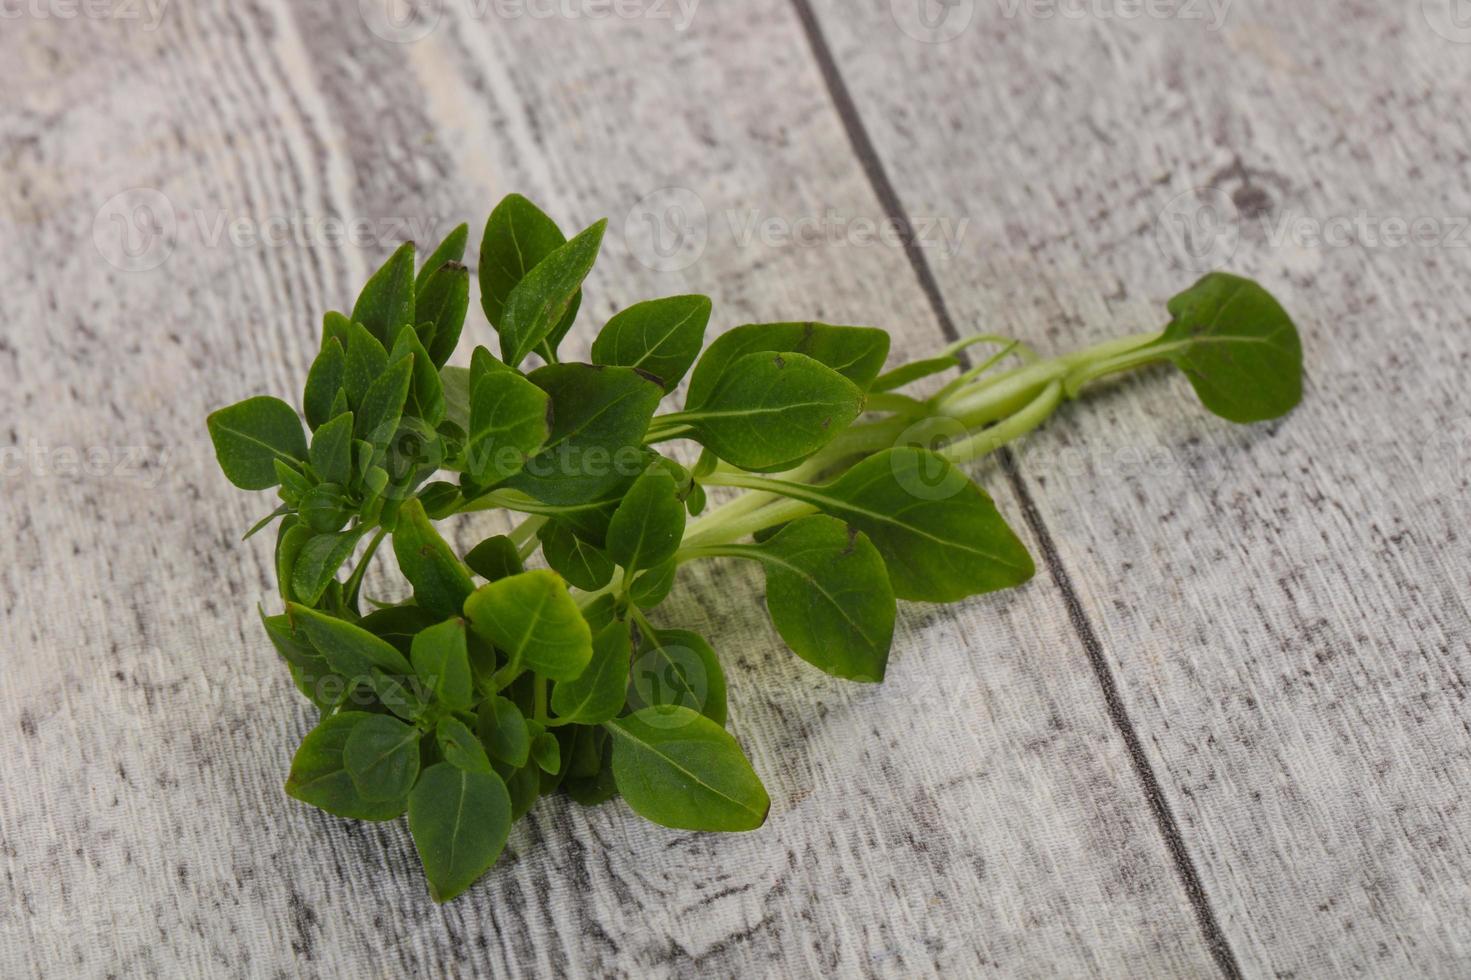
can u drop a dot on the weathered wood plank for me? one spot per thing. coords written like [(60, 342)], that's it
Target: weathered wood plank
[(1283, 608)]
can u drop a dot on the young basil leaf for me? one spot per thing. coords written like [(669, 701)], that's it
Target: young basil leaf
[(694, 503), (340, 404), (250, 437), (546, 752), (503, 730), (426, 393), (452, 249), (661, 337), (829, 596), (517, 237), (533, 619), (508, 422), (317, 563), (652, 587), (366, 360), (375, 482), (291, 539), (679, 769), (350, 650), (460, 746), (440, 499), (1237, 346), (323, 382), (599, 417), (296, 649), (542, 298), (773, 410), (441, 309), (459, 821), (647, 526), (524, 785), (265, 522), (601, 611), (677, 667), (495, 558), (585, 755), (335, 326), (597, 694), (383, 404), (294, 483), (441, 659), (323, 509), (382, 757), (583, 565), (940, 534), (441, 584), (331, 452), (914, 371), (387, 301), (320, 778), (857, 353)]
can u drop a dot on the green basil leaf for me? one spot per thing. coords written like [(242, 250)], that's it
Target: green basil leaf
[(440, 499), (320, 778), (652, 587), (583, 565), (397, 696), (387, 301), (335, 326), (546, 752), (323, 382), (677, 667), (382, 757), (647, 526), (294, 483), (508, 422), (452, 249), (441, 584), (914, 371), (773, 410), (265, 522), (503, 730), (597, 694), (599, 417), (460, 747), (317, 563), (1238, 347), (857, 353), (441, 308), (251, 436), (829, 596), (292, 538), (350, 650), (331, 452), (309, 668), (939, 534), (459, 821), (441, 659), (517, 237), (679, 769), (398, 625), (425, 402), (661, 337), (323, 509), (495, 558), (601, 611), (532, 618), (377, 418), (524, 785), (366, 360), (541, 300)]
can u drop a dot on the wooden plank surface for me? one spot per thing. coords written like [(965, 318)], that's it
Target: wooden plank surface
[(979, 814), (1282, 609)]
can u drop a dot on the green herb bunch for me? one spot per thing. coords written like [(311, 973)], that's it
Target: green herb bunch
[(496, 684)]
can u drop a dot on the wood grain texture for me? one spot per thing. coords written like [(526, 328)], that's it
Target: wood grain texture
[(1282, 608), (980, 813)]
